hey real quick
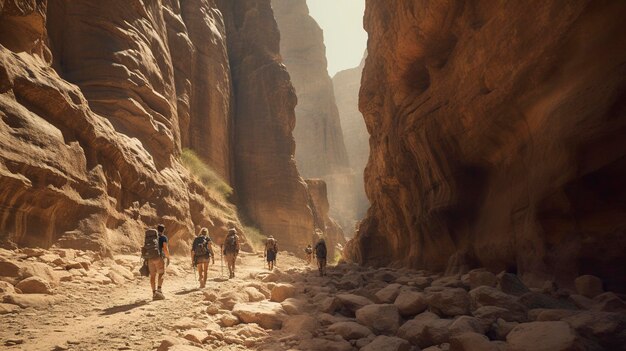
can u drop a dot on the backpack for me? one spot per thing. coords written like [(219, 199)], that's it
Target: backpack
[(150, 247), (231, 244), (271, 245), (200, 246), (320, 249)]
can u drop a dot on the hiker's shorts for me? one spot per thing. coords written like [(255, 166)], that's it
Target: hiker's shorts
[(203, 259), (156, 265), (271, 256)]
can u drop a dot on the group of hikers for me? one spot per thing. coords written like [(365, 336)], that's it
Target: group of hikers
[(156, 255)]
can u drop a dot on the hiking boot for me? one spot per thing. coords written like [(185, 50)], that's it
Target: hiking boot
[(158, 295)]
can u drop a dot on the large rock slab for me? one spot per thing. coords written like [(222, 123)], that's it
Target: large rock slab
[(350, 330), (380, 318), (449, 302), (34, 285), (268, 315), (410, 303), (543, 336)]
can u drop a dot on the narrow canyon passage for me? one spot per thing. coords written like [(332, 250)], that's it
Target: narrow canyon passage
[(474, 156), (103, 305)]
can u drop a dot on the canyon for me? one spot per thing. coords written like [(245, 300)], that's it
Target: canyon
[(494, 177), (99, 101), (497, 138)]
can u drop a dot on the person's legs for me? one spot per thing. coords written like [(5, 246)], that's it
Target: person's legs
[(160, 273), (203, 268), (152, 268), (324, 266)]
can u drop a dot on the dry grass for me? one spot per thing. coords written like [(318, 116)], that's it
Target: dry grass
[(204, 173), (255, 238)]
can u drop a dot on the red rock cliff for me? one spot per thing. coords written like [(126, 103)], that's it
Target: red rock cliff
[(320, 149), (498, 137), (97, 99)]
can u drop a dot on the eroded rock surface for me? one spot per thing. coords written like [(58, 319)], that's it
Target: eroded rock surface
[(490, 145)]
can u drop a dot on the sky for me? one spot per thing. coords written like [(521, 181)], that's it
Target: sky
[(342, 23)]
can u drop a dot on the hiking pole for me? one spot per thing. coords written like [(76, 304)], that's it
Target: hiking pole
[(222, 261)]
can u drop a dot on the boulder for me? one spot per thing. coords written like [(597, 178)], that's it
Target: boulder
[(350, 281), (607, 329), (387, 343), (293, 306), (491, 313), (609, 302), (410, 303), (168, 342), (589, 286), (539, 300), (229, 320), (350, 330), (448, 282), (414, 330), (254, 294), (196, 335), (185, 323), (543, 336), (330, 304), (41, 270), (380, 318), (481, 277), (510, 284), (352, 303), (281, 292), (501, 328), (471, 342), (37, 301), (9, 269), (467, 324), (302, 325), (389, 293), (488, 296), (449, 302), (34, 285), (268, 315)]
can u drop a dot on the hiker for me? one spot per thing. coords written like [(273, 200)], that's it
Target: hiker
[(231, 250), (320, 253), (271, 250), (202, 254), (156, 252), (308, 251)]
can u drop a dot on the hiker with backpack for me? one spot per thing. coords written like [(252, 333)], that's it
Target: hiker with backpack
[(155, 251), (271, 250), (202, 254), (231, 250), (320, 253)]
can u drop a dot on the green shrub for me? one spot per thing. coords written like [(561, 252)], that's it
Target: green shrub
[(204, 172)]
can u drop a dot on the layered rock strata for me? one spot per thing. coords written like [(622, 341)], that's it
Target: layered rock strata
[(320, 149), (497, 138), (98, 99)]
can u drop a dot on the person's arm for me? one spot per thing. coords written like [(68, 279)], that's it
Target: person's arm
[(237, 246), (193, 255)]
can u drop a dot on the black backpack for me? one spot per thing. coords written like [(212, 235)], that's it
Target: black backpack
[(271, 245), (150, 247), (320, 249), (231, 244), (200, 246)]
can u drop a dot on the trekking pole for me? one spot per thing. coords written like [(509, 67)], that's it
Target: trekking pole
[(222, 261)]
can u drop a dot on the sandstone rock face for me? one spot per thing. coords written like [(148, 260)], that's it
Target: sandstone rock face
[(346, 85), (320, 149), (488, 141), (271, 191), (98, 99), (332, 231)]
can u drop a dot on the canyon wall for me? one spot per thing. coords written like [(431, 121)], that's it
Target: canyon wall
[(270, 190), (497, 138), (346, 85), (320, 149), (98, 99)]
